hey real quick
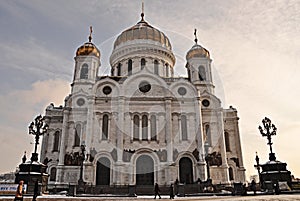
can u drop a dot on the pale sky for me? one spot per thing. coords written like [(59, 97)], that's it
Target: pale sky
[(254, 44)]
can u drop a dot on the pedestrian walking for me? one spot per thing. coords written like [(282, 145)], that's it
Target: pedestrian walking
[(253, 186), (171, 192), (176, 186), (156, 191), (19, 192), (35, 190)]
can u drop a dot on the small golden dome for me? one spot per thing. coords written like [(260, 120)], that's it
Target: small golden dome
[(88, 49), (197, 51)]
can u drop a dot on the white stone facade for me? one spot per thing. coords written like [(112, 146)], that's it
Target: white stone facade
[(142, 125)]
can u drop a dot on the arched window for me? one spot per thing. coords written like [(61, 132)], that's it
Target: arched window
[(184, 127), (56, 141), (227, 141), (156, 67), (105, 127), (208, 134), (129, 67), (77, 135), (230, 172), (119, 69), (167, 70), (84, 71), (153, 127), (202, 75), (53, 174), (136, 127), (144, 127), (143, 63)]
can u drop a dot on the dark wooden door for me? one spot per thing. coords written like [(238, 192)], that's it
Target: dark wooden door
[(186, 170), (144, 170), (103, 172)]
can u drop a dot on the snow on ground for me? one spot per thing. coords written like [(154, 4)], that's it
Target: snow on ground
[(293, 197)]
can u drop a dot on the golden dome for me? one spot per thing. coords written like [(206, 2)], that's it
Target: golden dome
[(88, 49), (142, 30), (197, 51)]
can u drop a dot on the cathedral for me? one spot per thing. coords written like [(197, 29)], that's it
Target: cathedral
[(141, 125)]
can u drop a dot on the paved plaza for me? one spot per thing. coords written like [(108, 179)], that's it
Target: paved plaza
[(141, 198)]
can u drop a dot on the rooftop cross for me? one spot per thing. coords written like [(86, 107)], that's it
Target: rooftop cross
[(142, 14), (90, 36), (195, 34)]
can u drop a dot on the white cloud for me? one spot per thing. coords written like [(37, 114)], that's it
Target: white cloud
[(19, 109)]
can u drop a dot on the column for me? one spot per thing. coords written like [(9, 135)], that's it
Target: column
[(179, 128), (199, 137), (59, 176), (140, 128), (149, 128), (120, 128), (108, 128), (168, 130), (100, 127), (131, 128), (63, 137), (220, 125), (90, 123)]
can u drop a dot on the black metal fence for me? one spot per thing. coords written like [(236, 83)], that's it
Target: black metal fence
[(132, 190)]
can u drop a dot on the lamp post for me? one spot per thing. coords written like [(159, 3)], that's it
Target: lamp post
[(257, 166), (80, 181), (268, 130), (207, 159), (37, 128)]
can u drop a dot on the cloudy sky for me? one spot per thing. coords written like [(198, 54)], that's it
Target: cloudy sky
[(254, 44)]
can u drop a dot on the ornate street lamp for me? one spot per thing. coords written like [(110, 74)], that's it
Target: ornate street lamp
[(268, 130), (37, 128)]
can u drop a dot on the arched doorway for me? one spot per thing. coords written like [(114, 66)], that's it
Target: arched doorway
[(144, 170), (103, 171), (186, 170)]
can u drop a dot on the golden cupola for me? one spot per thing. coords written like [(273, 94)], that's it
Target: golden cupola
[(88, 48), (197, 50)]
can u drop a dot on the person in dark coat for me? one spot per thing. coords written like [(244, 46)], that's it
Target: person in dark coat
[(19, 192), (176, 186), (156, 191), (253, 186), (171, 192), (35, 190)]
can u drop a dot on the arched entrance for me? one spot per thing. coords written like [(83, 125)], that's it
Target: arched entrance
[(103, 171), (144, 170), (186, 170)]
